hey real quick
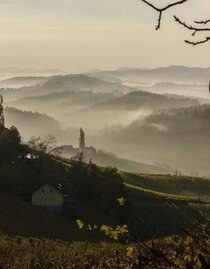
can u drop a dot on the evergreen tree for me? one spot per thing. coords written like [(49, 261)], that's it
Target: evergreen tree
[(1, 114)]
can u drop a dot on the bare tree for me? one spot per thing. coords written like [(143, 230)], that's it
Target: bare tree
[(197, 27), (46, 145)]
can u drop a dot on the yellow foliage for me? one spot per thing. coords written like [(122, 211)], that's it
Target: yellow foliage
[(121, 201), (80, 224), (130, 252)]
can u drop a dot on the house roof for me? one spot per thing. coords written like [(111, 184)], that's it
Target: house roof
[(58, 187)]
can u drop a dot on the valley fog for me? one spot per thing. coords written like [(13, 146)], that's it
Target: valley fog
[(154, 119)]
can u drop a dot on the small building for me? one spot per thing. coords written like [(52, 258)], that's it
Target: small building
[(48, 197)]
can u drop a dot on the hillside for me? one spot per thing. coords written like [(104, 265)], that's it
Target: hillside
[(33, 123), (161, 214), (173, 184), (21, 218), (103, 158), (177, 137), (170, 214), (91, 194), (21, 252)]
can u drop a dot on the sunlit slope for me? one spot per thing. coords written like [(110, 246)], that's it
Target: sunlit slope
[(173, 184)]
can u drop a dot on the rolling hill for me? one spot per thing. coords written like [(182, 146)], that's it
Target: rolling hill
[(141, 99), (64, 83), (103, 158), (36, 124), (18, 82), (170, 73), (178, 137)]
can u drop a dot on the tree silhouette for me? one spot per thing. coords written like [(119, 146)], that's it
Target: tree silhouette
[(1, 114), (197, 27)]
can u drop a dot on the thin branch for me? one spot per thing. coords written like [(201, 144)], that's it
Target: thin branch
[(190, 27), (161, 10), (194, 43), (195, 31), (202, 22)]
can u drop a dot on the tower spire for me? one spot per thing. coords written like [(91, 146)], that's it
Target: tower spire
[(82, 139)]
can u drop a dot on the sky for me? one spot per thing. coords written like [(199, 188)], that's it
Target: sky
[(76, 35)]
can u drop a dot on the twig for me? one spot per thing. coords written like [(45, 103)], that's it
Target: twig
[(195, 31), (190, 27), (202, 22), (197, 42)]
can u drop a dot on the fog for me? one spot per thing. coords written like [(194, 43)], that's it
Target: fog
[(147, 116)]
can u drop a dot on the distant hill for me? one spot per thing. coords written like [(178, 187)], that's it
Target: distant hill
[(9, 72), (65, 100), (168, 84), (179, 137), (64, 83), (170, 73), (140, 99), (34, 124), (18, 82), (103, 158)]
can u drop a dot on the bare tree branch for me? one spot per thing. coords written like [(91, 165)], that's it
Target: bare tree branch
[(202, 22), (197, 42), (161, 10), (194, 29), (190, 27)]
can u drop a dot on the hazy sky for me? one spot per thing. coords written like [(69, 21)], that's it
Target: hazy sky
[(88, 34)]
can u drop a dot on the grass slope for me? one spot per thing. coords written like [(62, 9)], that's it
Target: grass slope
[(156, 214), (20, 218), (173, 184)]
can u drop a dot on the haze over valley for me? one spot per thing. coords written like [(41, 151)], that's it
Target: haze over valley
[(149, 116), (104, 134)]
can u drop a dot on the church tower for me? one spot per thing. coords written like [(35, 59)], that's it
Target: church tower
[(82, 139)]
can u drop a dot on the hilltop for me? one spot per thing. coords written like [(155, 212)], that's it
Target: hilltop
[(61, 83)]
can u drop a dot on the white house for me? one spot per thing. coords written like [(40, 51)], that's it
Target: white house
[(48, 197)]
